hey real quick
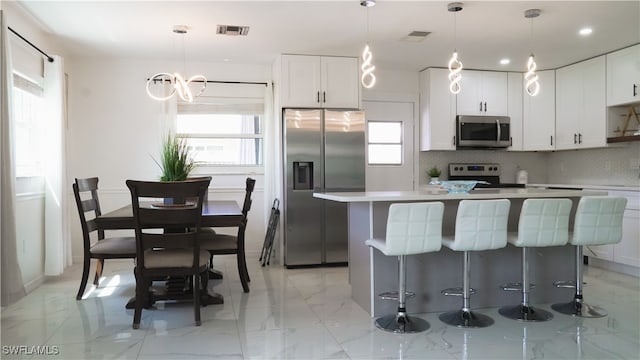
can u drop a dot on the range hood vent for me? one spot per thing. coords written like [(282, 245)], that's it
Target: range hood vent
[(232, 30)]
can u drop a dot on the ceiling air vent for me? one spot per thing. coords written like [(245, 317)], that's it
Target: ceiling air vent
[(416, 36), (232, 30)]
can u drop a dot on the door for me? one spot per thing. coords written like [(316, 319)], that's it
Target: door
[(303, 213), (344, 170), (340, 82), (300, 81), (386, 174)]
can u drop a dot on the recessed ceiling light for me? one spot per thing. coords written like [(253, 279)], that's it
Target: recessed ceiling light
[(585, 31), (505, 61)]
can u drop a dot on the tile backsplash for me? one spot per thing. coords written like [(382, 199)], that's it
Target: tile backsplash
[(619, 165)]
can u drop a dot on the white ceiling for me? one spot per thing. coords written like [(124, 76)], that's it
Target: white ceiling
[(486, 31)]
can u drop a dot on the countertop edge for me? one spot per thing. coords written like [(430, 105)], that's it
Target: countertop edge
[(375, 196), (589, 187)]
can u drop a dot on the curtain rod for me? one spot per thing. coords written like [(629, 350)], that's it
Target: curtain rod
[(226, 82), (33, 46)]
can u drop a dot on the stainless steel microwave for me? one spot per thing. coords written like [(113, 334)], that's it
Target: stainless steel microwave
[(483, 131)]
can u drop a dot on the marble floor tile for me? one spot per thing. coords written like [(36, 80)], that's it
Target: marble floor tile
[(299, 314)]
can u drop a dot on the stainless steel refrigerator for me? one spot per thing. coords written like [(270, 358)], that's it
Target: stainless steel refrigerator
[(324, 151)]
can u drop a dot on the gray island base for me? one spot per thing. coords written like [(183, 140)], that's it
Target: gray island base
[(372, 273)]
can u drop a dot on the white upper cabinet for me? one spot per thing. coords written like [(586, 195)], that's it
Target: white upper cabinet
[(539, 115), (483, 93), (437, 111), (320, 81), (515, 110), (580, 105), (623, 76)]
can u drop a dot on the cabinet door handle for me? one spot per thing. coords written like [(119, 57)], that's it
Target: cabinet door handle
[(551, 137), (575, 138), (480, 106), (635, 90), (510, 141), (318, 97), (579, 138), (485, 106), (454, 140), (324, 96)]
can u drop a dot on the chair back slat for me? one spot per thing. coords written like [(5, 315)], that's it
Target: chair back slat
[(91, 204)]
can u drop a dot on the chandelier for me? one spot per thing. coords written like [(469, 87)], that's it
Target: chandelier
[(177, 83), (532, 86), (455, 65), (368, 78)]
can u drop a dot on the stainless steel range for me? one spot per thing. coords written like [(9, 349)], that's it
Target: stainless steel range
[(483, 172)]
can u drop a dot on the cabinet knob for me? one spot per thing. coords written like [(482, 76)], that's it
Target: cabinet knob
[(575, 138), (485, 106), (635, 90), (579, 138), (480, 106), (318, 97), (324, 96)]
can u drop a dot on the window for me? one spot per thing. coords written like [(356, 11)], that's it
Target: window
[(28, 111), (385, 142), (223, 139)]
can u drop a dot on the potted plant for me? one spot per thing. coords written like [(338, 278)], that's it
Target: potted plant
[(434, 174), (176, 161)]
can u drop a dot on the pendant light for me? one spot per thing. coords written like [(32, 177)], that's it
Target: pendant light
[(368, 78), (177, 82), (532, 86), (455, 65)]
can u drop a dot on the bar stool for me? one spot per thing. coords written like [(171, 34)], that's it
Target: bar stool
[(412, 228), (542, 223), (598, 222), (480, 225)]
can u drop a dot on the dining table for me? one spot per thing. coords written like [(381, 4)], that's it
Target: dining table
[(215, 213)]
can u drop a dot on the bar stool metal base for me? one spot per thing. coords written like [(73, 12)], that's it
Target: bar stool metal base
[(466, 319), (401, 323), (525, 313), (580, 309)]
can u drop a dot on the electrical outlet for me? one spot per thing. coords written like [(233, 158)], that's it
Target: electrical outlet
[(634, 163)]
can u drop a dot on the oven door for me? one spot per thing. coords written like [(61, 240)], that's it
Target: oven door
[(483, 131)]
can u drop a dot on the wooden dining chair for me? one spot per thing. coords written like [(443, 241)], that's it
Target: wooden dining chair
[(86, 195), (223, 244), (161, 253)]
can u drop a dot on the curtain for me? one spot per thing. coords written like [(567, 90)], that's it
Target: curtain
[(57, 240), (12, 288)]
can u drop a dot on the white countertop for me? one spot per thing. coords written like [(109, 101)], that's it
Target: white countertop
[(590, 187), (438, 195)]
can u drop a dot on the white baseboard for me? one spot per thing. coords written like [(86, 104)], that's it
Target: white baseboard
[(33, 284), (620, 268)]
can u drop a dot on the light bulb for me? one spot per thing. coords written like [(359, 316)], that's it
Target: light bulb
[(455, 67), (368, 79), (531, 78)]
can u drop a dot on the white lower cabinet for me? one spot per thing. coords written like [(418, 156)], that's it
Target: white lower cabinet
[(627, 251)]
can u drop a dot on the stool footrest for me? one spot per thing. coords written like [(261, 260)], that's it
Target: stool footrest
[(571, 284), (456, 292), (393, 295), (517, 286)]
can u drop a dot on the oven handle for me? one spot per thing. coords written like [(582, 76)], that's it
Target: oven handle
[(498, 124)]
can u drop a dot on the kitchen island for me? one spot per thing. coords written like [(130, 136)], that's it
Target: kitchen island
[(371, 273)]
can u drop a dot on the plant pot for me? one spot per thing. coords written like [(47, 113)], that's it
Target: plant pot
[(434, 181)]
